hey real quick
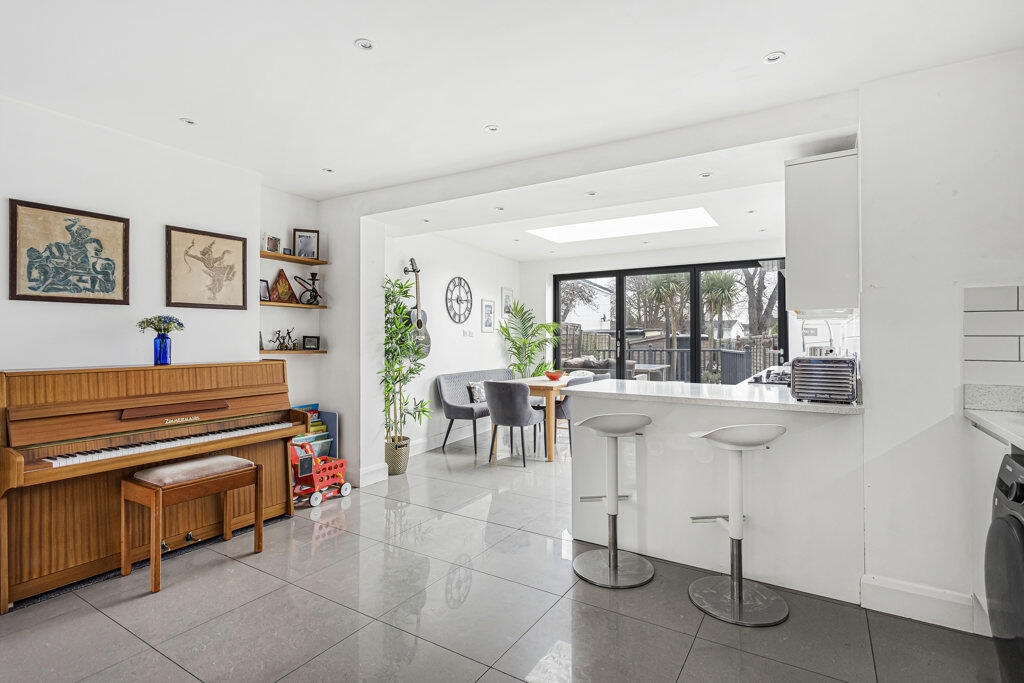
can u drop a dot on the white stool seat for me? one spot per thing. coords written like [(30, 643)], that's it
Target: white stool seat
[(742, 437), (616, 424)]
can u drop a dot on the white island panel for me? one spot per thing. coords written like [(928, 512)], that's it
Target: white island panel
[(804, 497)]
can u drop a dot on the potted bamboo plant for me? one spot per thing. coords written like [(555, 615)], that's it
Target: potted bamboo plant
[(403, 361)]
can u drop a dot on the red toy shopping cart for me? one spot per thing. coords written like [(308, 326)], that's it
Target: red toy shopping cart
[(316, 477)]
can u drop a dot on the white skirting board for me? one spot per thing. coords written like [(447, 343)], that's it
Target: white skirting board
[(371, 474), (459, 432), (918, 601)]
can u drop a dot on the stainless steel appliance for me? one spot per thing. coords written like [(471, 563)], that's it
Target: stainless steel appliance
[(824, 378)]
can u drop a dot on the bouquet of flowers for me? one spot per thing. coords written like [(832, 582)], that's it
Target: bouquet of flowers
[(161, 324)]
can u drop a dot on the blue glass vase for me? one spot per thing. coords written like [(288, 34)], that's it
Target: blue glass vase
[(162, 349)]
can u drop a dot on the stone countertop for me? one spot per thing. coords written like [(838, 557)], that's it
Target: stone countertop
[(764, 396), (1004, 425)]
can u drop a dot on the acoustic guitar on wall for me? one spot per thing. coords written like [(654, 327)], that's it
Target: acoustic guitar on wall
[(417, 315)]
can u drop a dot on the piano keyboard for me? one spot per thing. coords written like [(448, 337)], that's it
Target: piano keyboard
[(163, 444)]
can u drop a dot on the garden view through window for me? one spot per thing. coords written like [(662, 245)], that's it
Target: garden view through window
[(718, 324)]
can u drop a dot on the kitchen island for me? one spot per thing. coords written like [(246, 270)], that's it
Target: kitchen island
[(804, 497)]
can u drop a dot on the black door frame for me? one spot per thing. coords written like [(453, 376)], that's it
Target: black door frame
[(693, 270)]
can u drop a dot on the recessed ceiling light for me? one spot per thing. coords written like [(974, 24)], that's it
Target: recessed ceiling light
[(763, 230), (363, 43), (187, 121), (499, 208), (705, 174), (645, 242), (666, 221), (426, 220), (551, 251), (591, 194), (327, 170), (773, 57), (750, 211), (491, 128), (516, 239)]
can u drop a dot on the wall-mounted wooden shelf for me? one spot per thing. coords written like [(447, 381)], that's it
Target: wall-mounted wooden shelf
[(267, 352), (274, 256), (281, 303)]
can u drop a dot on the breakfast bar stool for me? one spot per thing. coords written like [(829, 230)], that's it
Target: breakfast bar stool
[(158, 487), (613, 568), (730, 598)]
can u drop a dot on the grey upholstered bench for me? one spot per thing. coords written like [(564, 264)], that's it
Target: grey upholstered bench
[(178, 482), (453, 390)]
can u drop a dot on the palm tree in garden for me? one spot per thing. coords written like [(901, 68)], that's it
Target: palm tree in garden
[(719, 289), (667, 289)]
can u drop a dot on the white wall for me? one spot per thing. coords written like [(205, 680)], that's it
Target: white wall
[(454, 347), (356, 324), (280, 212), (941, 203), (59, 160)]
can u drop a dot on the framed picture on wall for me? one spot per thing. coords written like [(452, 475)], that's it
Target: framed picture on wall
[(486, 315), (506, 301), (60, 254), (205, 269), (306, 243), (264, 290)]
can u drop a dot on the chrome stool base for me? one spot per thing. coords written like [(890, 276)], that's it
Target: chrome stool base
[(759, 606), (630, 571)]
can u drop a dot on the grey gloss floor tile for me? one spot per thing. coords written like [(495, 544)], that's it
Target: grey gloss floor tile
[(474, 614), (495, 676), (146, 666), (68, 647), (393, 487), (537, 561), (195, 586), (911, 651), (554, 519), (664, 601), (501, 507), (820, 635), (377, 579), (25, 618), (709, 662), (265, 639), (439, 494), (451, 538), (293, 548), (379, 652), (576, 641), (370, 516)]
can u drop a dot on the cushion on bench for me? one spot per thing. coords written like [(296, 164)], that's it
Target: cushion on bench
[(189, 470)]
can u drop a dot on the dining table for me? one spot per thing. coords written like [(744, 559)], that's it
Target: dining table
[(548, 389)]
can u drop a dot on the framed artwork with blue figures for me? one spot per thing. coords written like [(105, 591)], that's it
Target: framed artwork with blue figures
[(205, 269), (61, 254)]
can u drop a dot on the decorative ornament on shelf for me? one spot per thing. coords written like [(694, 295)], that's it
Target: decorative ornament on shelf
[(163, 325), (283, 340), (311, 296), (281, 290)]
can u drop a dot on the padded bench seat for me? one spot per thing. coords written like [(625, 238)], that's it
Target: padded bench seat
[(187, 470)]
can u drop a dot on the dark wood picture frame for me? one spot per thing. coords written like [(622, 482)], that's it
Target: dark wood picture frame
[(310, 345), (205, 233), (13, 228), (295, 242), (267, 283)]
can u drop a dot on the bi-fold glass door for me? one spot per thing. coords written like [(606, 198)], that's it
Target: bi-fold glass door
[(710, 323)]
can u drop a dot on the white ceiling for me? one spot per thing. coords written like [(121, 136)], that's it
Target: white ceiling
[(280, 88), (744, 214)]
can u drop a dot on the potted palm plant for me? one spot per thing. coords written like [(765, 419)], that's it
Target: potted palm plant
[(527, 340), (403, 361)]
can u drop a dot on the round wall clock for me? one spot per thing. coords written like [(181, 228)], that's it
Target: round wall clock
[(460, 299)]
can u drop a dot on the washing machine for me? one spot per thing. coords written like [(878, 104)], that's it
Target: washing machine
[(1004, 567)]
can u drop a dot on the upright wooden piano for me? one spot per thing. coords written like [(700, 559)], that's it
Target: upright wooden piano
[(67, 437)]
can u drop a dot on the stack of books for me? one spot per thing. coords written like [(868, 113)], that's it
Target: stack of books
[(316, 425)]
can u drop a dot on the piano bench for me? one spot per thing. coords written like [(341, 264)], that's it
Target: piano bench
[(158, 487)]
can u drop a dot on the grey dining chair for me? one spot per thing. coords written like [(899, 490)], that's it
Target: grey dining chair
[(563, 407), (510, 406)]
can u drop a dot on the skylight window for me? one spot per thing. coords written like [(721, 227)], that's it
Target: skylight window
[(667, 221)]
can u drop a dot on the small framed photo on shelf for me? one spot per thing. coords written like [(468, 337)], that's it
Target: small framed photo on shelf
[(286, 251), (273, 244), (310, 343), (486, 315), (306, 243), (264, 290)]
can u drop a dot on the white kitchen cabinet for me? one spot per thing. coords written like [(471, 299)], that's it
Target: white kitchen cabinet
[(823, 232)]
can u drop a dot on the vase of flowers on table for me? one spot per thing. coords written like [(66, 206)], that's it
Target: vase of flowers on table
[(163, 325)]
